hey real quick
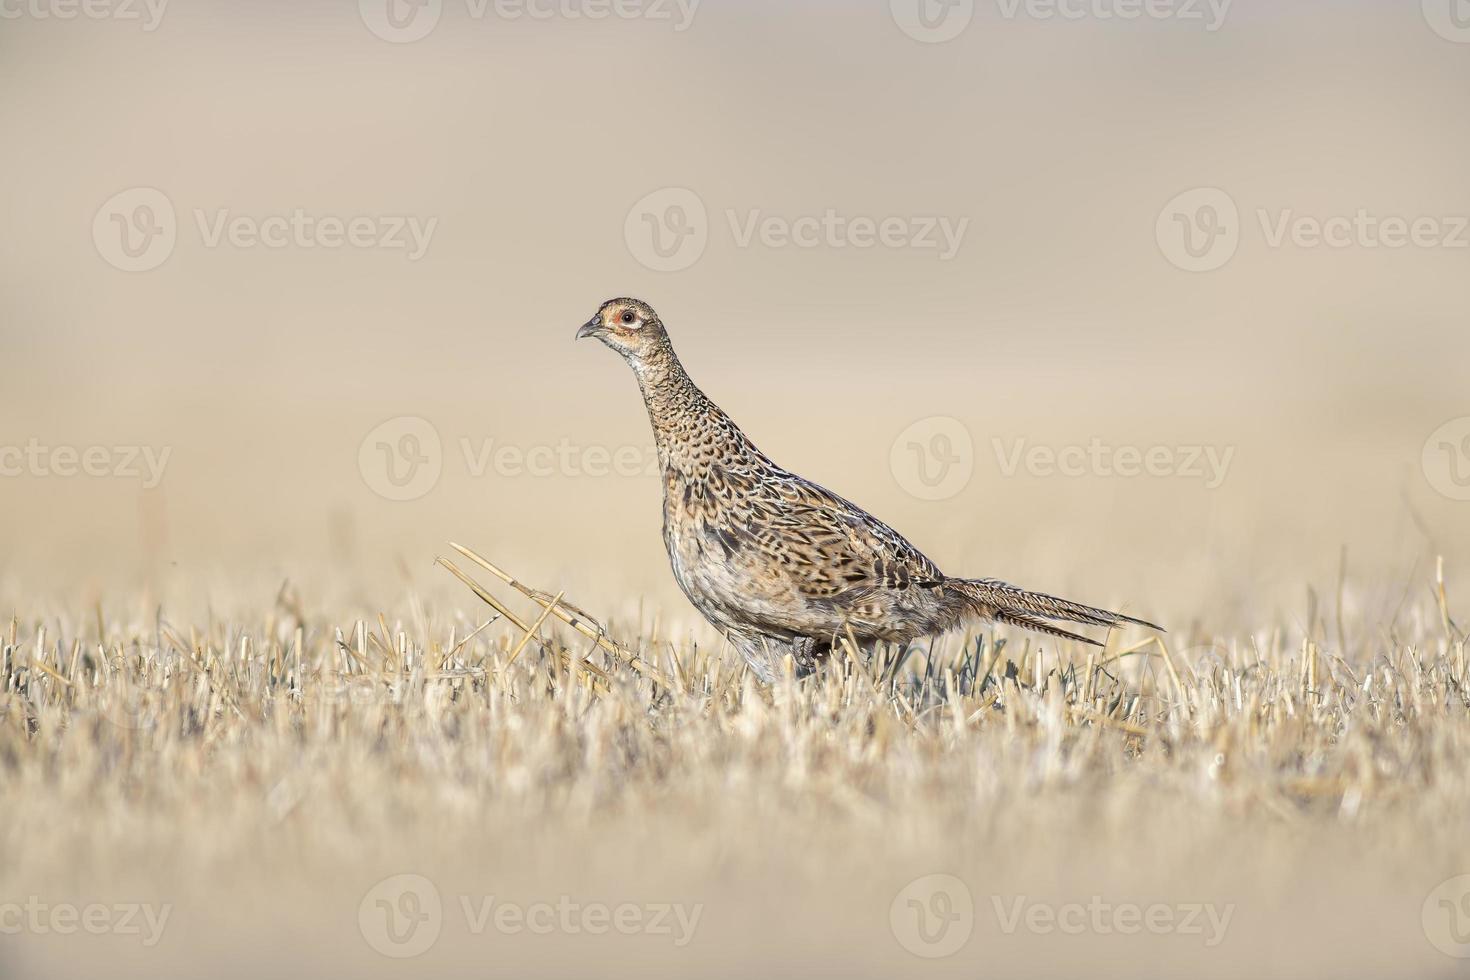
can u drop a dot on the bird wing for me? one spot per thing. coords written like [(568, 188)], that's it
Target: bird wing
[(837, 549)]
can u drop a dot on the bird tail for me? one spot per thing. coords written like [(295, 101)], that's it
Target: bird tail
[(1036, 611)]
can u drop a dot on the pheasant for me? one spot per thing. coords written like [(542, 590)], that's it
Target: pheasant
[(783, 567)]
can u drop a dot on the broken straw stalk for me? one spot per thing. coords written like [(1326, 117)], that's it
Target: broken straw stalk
[(555, 606)]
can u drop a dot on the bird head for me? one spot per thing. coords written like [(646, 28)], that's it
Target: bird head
[(628, 326)]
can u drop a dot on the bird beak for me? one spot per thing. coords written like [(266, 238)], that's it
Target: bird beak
[(592, 328)]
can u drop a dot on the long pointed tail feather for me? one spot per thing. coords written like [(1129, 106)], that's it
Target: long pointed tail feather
[(1038, 625), (1007, 603)]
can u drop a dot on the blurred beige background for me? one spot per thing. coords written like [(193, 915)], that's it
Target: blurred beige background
[(1137, 278), (529, 143)]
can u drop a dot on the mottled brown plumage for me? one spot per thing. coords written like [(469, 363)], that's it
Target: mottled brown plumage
[(780, 565)]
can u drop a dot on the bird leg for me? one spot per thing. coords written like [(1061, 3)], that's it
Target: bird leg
[(765, 654)]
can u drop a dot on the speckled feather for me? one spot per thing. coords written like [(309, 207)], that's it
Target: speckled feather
[(779, 564)]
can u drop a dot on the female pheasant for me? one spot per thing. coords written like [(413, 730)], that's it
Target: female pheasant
[(780, 565)]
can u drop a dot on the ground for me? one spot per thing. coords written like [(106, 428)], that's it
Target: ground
[(300, 793)]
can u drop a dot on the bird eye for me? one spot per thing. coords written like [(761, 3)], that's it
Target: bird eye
[(628, 316)]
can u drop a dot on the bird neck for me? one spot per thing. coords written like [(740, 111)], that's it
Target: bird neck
[(687, 426)]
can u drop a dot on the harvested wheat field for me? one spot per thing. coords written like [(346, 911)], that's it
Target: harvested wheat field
[(499, 787)]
